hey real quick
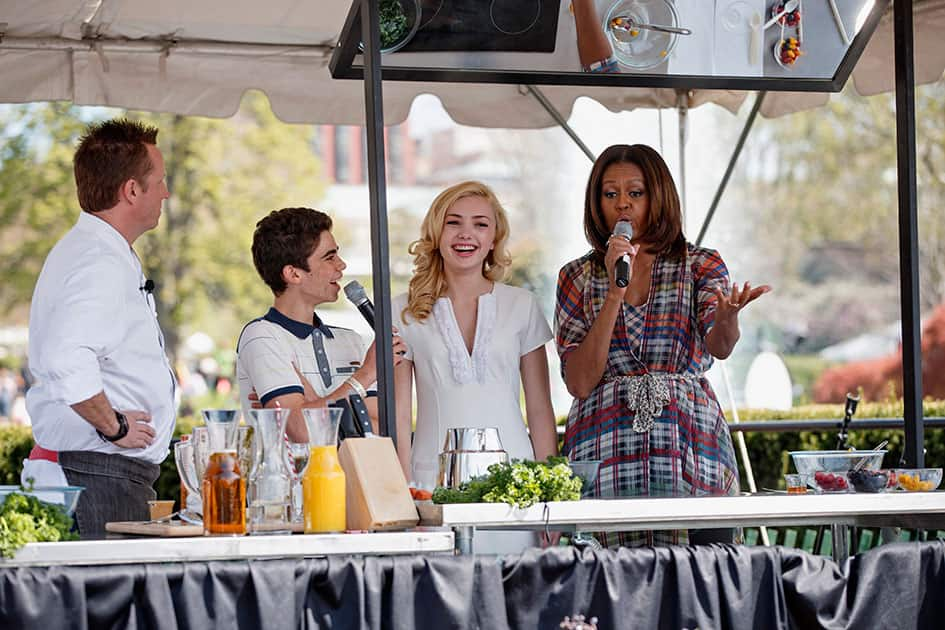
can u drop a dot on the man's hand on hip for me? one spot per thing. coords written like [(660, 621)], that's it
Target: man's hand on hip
[(140, 432)]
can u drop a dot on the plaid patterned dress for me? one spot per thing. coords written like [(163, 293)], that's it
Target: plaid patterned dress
[(653, 419)]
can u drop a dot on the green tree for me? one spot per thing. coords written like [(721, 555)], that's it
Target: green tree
[(818, 207), (223, 175), (37, 194)]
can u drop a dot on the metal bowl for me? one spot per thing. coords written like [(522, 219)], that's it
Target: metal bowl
[(472, 439), (458, 467), (587, 472), (809, 462)]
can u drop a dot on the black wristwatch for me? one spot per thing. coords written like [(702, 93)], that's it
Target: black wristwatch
[(122, 429)]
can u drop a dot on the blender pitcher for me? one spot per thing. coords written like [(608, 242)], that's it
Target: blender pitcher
[(224, 487), (323, 484), (269, 482), (190, 483)]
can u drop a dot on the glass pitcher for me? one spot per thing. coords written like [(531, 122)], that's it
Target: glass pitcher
[(269, 482), (323, 483), (224, 487)]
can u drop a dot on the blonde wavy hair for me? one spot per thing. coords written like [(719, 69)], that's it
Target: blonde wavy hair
[(429, 281)]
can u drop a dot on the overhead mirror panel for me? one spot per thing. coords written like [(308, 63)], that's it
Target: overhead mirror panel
[(730, 44)]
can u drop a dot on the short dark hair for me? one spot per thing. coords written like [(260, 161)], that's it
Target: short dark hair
[(286, 237), (109, 154), (663, 233)]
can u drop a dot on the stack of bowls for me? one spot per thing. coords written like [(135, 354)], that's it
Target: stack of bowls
[(468, 452)]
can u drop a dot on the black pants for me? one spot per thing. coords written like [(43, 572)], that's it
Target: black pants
[(117, 488)]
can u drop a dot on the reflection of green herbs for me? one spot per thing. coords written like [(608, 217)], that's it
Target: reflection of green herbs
[(393, 22), (521, 483), (25, 519)]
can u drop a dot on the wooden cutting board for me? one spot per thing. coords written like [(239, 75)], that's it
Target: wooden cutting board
[(377, 495), (144, 528)]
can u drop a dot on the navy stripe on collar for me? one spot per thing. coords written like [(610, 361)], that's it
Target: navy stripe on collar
[(299, 329)]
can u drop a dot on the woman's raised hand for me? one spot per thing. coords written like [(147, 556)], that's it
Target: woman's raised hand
[(729, 305)]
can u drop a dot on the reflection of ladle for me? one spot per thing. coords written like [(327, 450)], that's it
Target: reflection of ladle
[(622, 25), (860, 464)]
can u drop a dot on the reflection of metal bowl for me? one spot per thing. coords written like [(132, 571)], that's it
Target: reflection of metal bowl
[(646, 49), (412, 11)]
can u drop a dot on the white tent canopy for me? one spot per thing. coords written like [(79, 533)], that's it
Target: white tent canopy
[(198, 58)]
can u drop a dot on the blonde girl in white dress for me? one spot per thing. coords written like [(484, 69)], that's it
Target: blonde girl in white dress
[(473, 342)]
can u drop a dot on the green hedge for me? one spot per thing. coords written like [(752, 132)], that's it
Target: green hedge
[(768, 451), (15, 445), (16, 442)]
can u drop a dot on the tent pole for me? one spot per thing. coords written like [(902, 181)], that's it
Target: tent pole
[(914, 452), (377, 189), (554, 113), (731, 165), (682, 108), (742, 445)]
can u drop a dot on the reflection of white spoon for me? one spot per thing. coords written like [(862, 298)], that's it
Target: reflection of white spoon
[(754, 44), (789, 7)]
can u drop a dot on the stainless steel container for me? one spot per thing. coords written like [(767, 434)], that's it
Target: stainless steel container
[(457, 467), (468, 452), (472, 439)]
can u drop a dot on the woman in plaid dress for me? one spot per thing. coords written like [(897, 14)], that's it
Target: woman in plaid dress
[(635, 357)]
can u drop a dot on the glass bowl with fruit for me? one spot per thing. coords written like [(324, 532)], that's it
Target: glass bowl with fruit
[(872, 481), (828, 482), (918, 479)]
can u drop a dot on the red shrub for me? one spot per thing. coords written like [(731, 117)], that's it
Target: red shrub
[(882, 377)]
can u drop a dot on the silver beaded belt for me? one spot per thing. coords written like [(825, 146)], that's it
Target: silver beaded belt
[(647, 395)]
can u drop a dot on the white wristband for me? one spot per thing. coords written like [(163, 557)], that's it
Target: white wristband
[(356, 385)]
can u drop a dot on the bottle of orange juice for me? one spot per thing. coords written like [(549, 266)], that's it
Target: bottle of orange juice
[(323, 491), (323, 483)]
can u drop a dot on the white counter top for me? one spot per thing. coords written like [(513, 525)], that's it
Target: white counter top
[(919, 509), (146, 550)]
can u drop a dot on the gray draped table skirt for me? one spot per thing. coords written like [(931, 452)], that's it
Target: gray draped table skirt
[(717, 586)]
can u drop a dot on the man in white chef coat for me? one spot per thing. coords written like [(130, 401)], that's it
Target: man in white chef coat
[(102, 407)]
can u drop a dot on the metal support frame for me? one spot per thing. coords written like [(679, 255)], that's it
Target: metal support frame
[(342, 66), (908, 234), (682, 112), (731, 165), (558, 118), (380, 243)]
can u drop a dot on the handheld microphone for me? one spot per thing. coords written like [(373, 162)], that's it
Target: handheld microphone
[(358, 296), (148, 286), (622, 270)]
